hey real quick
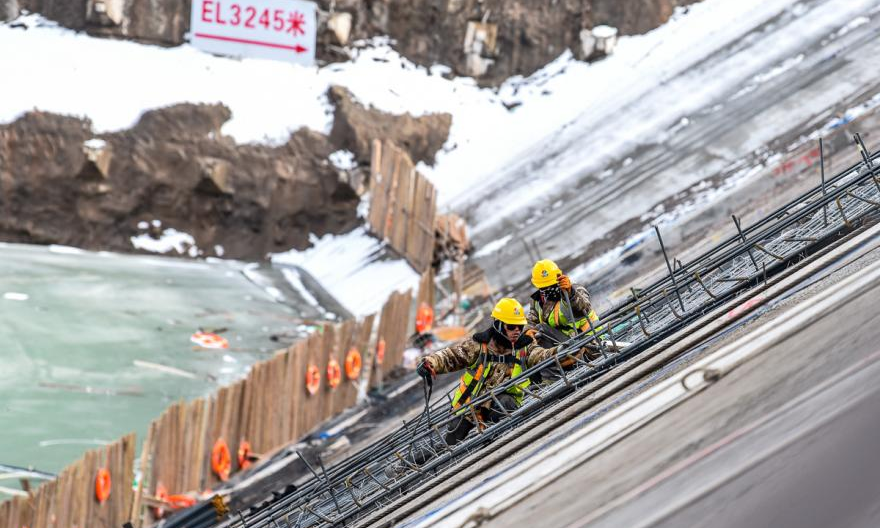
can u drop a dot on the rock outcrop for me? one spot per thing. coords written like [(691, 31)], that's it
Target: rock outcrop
[(163, 22), (8, 9), (490, 40), (63, 184), (355, 127), (495, 39)]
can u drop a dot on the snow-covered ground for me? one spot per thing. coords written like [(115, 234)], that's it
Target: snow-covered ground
[(599, 112), (595, 112), (348, 266), (113, 82)]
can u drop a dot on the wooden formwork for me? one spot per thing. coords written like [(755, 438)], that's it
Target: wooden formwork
[(70, 499), (403, 205), (394, 329), (269, 408), (426, 289)]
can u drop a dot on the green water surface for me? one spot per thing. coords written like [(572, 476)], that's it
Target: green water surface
[(68, 379)]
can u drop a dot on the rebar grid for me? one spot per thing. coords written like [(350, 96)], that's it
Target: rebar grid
[(417, 450)]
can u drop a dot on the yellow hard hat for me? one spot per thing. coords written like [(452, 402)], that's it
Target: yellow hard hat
[(509, 311), (545, 273)]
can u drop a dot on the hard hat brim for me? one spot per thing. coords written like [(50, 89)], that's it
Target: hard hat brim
[(521, 320), (549, 281)]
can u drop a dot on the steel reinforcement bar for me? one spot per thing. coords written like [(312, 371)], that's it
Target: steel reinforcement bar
[(414, 452)]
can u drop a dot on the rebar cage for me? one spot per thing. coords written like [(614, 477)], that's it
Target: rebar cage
[(415, 452)]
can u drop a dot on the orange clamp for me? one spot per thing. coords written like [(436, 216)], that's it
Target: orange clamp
[(380, 351), (162, 496), (244, 454), (424, 318)]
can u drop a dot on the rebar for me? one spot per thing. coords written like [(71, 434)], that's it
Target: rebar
[(669, 267), (743, 238), (360, 484)]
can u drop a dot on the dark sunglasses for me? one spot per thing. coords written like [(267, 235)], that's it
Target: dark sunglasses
[(512, 327)]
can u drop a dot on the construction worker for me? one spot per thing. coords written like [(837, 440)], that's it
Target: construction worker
[(554, 303), (489, 358), (557, 298)]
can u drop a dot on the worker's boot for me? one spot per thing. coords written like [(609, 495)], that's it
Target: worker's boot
[(591, 352), (551, 374)]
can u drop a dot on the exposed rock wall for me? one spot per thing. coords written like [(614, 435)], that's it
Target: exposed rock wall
[(61, 183), (154, 21), (249, 199), (9, 9), (527, 33), (355, 127), (488, 39), (69, 13)]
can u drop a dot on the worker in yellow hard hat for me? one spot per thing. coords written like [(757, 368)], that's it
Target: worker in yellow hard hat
[(560, 309), (488, 358)]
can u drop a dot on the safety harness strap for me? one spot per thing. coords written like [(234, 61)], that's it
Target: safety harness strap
[(466, 393), (507, 359)]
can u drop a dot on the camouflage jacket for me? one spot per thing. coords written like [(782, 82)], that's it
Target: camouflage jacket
[(539, 354), (580, 305), (467, 353)]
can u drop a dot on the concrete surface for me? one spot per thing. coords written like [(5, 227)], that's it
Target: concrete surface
[(761, 387)]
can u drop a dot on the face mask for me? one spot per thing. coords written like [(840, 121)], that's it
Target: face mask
[(551, 293)]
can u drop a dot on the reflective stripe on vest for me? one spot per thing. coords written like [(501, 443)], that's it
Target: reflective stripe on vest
[(557, 319), (471, 383)]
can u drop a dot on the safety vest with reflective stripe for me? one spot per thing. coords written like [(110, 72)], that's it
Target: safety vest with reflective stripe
[(471, 383), (556, 318)]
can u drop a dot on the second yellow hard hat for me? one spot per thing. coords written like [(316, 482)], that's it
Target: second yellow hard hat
[(545, 273)]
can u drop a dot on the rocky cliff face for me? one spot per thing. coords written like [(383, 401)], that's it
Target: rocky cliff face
[(490, 40), (8, 9), (61, 183), (154, 21), (355, 127), (501, 38)]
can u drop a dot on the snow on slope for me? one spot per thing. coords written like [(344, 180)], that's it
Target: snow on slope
[(347, 267), (113, 82), (619, 102), (648, 86)]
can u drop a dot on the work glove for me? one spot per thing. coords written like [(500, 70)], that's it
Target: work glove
[(531, 332), (590, 352), (564, 283), (426, 371)]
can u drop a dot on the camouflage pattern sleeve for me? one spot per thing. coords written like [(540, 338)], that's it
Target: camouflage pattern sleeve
[(532, 317), (455, 357), (580, 299), (538, 354)]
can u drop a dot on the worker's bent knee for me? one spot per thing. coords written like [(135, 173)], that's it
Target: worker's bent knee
[(508, 401), (457, 430)]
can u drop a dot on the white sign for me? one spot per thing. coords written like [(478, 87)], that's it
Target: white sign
[(270, 29)]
